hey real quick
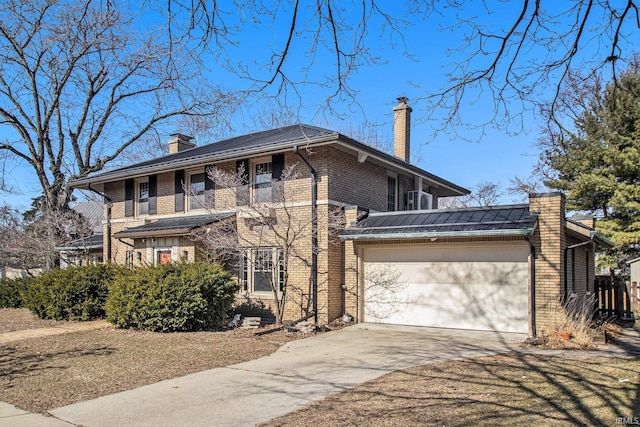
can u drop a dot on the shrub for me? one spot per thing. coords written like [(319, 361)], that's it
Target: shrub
[(172, 298), (11, 292), (75, 293)]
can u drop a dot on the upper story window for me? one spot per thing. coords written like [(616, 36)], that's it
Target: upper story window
[(262, 182), (392, 193), (143, 197), (260, 179), (197, 191), (140, 196)]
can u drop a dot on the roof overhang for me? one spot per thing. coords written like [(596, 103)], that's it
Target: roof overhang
[(86, 244), (171, 164), (171, 227), (196, 161), (587, 233), (602, 240)]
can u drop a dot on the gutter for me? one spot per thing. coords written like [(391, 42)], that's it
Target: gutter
[(106, 242), (436, 234), (600, 239), (313, 279)]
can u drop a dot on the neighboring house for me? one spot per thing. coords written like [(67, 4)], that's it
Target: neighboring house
[(82, 251), (502, 268), (89, 249)]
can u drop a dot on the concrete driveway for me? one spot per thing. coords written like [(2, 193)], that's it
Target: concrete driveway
[(299, 373)]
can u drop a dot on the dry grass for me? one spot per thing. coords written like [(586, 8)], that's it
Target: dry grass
[(576, 318), (18, 319), (506, 390), (45, 373)]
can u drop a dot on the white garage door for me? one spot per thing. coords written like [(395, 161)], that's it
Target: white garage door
[(479, 286)]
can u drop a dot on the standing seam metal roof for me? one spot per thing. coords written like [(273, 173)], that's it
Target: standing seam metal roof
[(500, 219)]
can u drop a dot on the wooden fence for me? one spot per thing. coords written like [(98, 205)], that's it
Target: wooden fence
[(617, 298)]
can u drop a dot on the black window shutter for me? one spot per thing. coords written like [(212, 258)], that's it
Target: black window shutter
[(153, 194), (179, 191), (277, 166), (209, 187), (128, 197), (242, 195)]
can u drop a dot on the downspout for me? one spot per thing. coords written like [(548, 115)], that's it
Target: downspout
[(313, 279), (566, 274), (107, 238), (532, 294)]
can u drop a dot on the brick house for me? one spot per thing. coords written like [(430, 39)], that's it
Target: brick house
[(153, 208)]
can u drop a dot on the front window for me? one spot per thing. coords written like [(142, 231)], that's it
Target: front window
[(392, 193), (143, 198), (262, 182), (197, 191), (259, 267), (164, 256)]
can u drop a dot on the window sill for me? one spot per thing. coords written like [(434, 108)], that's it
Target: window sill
[(257, 211), (138, 221)]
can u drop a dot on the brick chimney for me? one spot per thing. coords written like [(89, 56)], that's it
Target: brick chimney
[(402, 130), (180, 142)]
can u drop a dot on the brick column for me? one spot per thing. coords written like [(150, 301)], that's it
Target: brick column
[(550, 242), (351, 266)]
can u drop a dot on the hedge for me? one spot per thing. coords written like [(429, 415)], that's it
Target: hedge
[(172, 298), (74, 293), (12, 291)]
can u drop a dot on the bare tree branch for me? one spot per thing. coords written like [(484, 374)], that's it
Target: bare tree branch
[(82, 82)]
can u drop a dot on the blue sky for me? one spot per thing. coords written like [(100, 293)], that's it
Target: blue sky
[(465, 156)]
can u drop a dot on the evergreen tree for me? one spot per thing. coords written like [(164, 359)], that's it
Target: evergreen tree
[(596, 161)]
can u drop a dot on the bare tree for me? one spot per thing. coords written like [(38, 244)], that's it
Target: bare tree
[(485, 193), (270, 234), (81, 82), (517, 53), (30, 241), (521, 187)]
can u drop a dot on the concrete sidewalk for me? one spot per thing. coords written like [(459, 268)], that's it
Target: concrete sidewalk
[(299, 373)]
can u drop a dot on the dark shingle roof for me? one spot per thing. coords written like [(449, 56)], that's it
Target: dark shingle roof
[(228, 148), (255, 144), (498, 220), (172, 226), (93, 242)]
